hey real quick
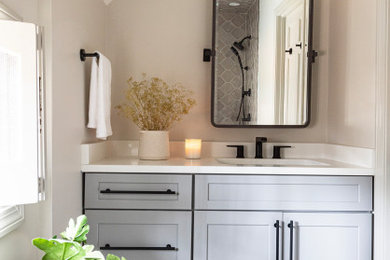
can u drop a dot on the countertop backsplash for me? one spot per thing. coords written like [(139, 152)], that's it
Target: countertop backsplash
[(362, 157)]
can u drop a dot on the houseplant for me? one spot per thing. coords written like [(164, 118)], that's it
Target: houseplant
[(154, 106), (71, 244)]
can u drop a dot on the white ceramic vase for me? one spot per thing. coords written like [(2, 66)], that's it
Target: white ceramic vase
[(153, 145)]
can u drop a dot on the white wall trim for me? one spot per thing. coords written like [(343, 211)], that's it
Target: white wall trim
[(10, 219), (8, 13), (382, 180)]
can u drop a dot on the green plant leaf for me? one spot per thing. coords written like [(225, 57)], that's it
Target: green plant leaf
[(88, 248), (43, 244), (69, 247), (58, 249), (76, 231), (113, 257), (92, 255), (71, 251), (52, 248), (96, 255)]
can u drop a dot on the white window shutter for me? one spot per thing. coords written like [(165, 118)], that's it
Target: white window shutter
[(20, 141)]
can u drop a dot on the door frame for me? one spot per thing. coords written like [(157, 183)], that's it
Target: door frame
[(284, 9), (382, 175)]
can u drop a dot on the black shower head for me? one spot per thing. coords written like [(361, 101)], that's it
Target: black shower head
[(234, 51), (239, 45)]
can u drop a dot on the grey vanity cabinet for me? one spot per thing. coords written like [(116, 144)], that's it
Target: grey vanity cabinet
[(230, 217), (138, 191), (283, 193), (141, 235), (236, 235), (250, 217), (140, 216), (325, 236), (229, 235)]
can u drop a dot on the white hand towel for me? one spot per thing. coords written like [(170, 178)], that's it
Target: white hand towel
[(100, 97)]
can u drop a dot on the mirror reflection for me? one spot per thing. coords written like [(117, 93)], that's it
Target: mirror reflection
[(260, 63)]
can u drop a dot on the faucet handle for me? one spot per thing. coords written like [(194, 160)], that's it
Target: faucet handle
[(261, 139), (240, 150), (277, 149)]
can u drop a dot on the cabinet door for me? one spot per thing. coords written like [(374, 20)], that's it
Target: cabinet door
[(137, 191), (141, 235), (281, 193), (327, 236), (236, 235)]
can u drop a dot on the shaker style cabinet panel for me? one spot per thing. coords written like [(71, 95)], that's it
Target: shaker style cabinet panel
[(141, 235), (152, 217), (327, 236), (236, 235), (138, 191), (304, 193)]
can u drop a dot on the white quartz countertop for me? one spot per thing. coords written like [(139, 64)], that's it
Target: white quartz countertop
[(128, 164)]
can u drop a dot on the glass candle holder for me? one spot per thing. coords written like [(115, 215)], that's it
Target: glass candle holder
[(193, 148)]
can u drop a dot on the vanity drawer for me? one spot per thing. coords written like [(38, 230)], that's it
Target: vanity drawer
[(140, 235), (137, 191), (311, 193)]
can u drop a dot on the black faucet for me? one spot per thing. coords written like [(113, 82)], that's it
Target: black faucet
[(240, 150), (277, 149), (259, 147)]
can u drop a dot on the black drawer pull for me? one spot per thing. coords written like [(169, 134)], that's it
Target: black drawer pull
[(167, 192), (277, 226), (291, 227), (166, 248)]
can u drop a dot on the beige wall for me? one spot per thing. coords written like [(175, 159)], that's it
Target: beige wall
[(166, 39), (76, 24), (352, 49), (17, 244)]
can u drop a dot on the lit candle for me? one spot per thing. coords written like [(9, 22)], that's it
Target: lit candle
[(193, 148)]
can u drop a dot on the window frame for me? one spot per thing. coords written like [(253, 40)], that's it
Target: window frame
[(11, 218)]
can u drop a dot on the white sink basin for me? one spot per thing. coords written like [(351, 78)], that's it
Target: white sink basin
[(271, 162)]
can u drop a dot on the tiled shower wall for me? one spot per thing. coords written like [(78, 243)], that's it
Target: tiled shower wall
[(233, 27)]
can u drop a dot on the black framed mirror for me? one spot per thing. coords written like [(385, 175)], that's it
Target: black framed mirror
[(262, 63)]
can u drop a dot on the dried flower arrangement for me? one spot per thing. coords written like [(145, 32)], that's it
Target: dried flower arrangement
[(154, 105)]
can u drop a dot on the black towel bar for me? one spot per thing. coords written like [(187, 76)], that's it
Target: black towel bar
[(84, 55)]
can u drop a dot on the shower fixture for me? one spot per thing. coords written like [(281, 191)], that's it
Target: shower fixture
[(234, 50), (239, 45), (245, 117)]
